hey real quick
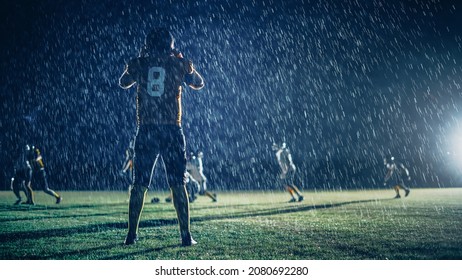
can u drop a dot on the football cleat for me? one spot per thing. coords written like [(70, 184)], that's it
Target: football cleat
[(59, 199), (188, 241), (300, 198), (407, 192), (397, 196), (214, 199), (292, 200), (130, 239), (155, 200), (168, 199), (17, 202)]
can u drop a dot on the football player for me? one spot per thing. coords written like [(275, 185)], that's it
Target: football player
[(196, 170), (287, 168), (159, 73), (21, 180), (39, 175), (396, 174)]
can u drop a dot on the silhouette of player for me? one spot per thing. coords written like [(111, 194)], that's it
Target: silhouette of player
[(39, 174), (287, 171), (396, 176), (21, 180), (159, 74)]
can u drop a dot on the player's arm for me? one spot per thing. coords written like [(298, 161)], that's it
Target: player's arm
[(126, 80), (388, 175), (406, 171), (39, 159), (126, 166), (193, 79)]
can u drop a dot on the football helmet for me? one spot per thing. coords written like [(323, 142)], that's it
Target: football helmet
[(159, 40)]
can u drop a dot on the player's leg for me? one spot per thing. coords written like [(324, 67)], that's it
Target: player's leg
[(28, 187), (290, 178), (135, 207), (174, 156), (203, 187), (29, 193), (142, 168), (396, 188), (213, 196), (181, 204), (16, 188), (406, 189), (43, 177), (193, 187), (291, 192), (190, 188), (297, 191)]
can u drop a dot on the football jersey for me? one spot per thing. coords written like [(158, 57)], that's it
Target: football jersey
[(398, 170), (159, 87), (35, 160), (285, 160)]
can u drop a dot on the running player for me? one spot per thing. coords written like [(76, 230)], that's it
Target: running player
[(21, 180), (397, 173), (287, 175), (195, 168), (39, 175), (159, 73)]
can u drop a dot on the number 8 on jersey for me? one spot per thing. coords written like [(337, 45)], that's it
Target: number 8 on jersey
[(156, 77)]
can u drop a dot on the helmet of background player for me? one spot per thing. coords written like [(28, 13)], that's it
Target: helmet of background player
[(388, 161), (159, 41)]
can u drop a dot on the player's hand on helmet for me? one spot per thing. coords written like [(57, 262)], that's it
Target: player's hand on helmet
[(177, 53)]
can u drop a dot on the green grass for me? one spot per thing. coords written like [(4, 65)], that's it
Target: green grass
[(242, 225)]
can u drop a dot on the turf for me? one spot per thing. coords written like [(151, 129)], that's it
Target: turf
[(337, 225)]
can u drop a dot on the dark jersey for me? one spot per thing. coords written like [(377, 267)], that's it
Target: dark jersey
[(22, 163), (35, 160), (159, 87)]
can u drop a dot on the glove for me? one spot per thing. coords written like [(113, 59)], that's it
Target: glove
[(177, 53)]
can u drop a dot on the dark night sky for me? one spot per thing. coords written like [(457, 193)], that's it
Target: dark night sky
[(342, 82)]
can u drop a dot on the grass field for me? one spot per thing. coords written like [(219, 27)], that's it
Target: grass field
[(241, 225)]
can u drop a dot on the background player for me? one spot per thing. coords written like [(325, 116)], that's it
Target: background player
[(159, 73), (397, 173), (195, 168), (39, 175), (287, 175), (21, 180)]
